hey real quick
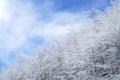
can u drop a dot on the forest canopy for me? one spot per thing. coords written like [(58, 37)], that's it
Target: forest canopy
[(90, 53)]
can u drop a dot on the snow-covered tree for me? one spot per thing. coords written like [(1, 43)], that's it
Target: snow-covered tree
[(90, 53)]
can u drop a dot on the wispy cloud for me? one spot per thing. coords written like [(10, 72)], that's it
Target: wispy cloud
[(3, 10), (21, 23)]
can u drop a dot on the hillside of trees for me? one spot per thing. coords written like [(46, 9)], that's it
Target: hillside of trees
[(91, 53)]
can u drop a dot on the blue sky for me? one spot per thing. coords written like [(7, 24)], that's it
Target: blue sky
[(73, 5), (27, 25), (80, 5)]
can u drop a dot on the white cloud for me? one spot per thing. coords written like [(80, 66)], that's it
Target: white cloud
[(23, 24), (4, 15)]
